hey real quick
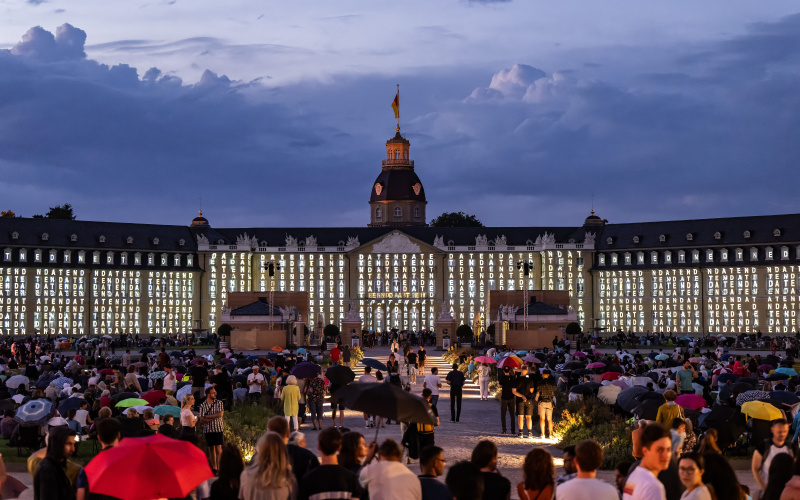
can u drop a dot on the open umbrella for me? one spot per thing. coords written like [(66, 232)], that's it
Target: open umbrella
[(727, 376), (146, 350), (728, 422), (579, 354), (485, 359), (765, 368), (530, 358), (510, 361), (647, 409), (610, 376), (127, 403), (695, 360), (157, 375), (374, 363), (596, 364), (750, 396), (691, 401), (306, 369), (106, 371), (652, 395), (68, 404), (594, 386), (581, 389), (777, 376), (608, 394), (761, 411), (35, 412), (662, 357), (60, 381), (148, 467), (302, 351), (628, 399), (386, 400), (179, 353), (14, 381), (182, 392), (45, 358), (276, 349), (123, 395), (340, 375), (785, 397), (772, 360), (725, 357), (786, 371), (574, 365), (113, 358), (167, 410)]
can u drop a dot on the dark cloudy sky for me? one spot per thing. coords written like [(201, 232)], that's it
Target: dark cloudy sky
[(275, 113)]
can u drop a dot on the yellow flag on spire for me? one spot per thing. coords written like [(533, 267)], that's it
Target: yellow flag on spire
[(396, 104)]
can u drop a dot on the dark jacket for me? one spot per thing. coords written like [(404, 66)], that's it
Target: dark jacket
[(50, 481)]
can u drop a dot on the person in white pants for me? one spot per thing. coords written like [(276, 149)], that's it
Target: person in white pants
[(484, 375)]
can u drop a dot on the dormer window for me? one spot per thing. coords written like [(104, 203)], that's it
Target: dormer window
[(182, 242), (7, 255), (627, 258), (177, 260), (137, 259), (754, 254), (45, 236), (654, 257), (636, 239), (739, 253), (129, 240), (220, 242), (681, 257), (601, 260), (613, 259), (416, 212), (164, 259), (784, 253), (73, 237), (398, 212), (723, 255), (151, 259), (662, 238), (776, 233), (81, 257), (717, 235), (610, 240), (15, 235), (689, 237), (123, 258), (190, 260), (746, 235), (768, 253), (640, 258), (155, 241), (709, 255), (102, 238), (667, 257), (695, 255), (23, 255)]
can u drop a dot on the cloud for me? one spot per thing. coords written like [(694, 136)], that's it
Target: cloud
[(38, 43)]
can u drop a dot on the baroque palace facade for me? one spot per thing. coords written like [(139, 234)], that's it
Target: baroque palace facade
[(726, 275)]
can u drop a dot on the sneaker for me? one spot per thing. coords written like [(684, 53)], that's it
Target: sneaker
[(520, 434)]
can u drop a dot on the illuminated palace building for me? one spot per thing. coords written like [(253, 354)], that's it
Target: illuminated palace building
[(713, 275)]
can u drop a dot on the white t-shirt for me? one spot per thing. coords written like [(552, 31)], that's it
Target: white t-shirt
[(170, 384), (387, 480), (432, 382), (258, 378), (80, 417), (699, 493), (581, 489), (187, 417), (643, 485), (369, 378)]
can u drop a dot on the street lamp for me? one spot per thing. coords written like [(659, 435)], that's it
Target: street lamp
[(271, 267)]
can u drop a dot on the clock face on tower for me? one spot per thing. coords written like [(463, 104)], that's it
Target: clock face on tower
[(378, 188), (417, 187)]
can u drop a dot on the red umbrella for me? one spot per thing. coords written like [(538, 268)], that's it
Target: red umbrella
[(143, 468), (610, 376), (106, 371), (485, 359), (510, 361), (691, 401)]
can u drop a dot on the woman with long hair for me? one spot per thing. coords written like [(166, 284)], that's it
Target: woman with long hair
[(780, 472), (353, 451), (721, 477), (690, 469), (537, 474), (226, 487), (188, 420), (270, 476), (709, 443)]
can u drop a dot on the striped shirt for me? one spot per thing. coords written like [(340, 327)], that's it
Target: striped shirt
[(210, 409)]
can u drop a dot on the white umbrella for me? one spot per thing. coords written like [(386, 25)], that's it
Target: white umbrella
[(608, 394), (13, 382), (183, 391), (109, 337), (45, 358)]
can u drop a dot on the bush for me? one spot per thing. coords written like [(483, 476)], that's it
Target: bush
[(573, 328), (243, 425), (593, 419), (331, 331), (224, 330)]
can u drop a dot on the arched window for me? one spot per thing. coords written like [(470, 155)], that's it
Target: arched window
[(398, 212), (378, 213)]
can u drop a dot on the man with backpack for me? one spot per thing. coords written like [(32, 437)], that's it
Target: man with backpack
[(768, 449), (545, 396)]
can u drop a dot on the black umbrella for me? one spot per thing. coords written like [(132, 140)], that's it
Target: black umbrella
[(176, 353), (772, 360), (65, 406), (239, 378), (242, 363), (374, 363), (724, 377), (628, 398), (613, 368), (785, 397), (583, 371), (777, 376), (594, 386), (123, 395), (740, 387), (647, 409), (306, 369), (386, 400), (340, 375), (652, 395), (581, 389), (654, 376), (728, 422), (146, 350)]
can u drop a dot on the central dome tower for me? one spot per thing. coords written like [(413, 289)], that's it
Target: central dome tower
[(398, 198)]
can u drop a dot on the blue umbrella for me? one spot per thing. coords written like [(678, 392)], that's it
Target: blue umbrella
[(785, 397), (302, 350), (777, 376), (35, 412), (69, 404), (252, 358), (167, 410), (786, 370), (60, 381), (686, 338), (522, 353), (176, 353), (374, 363), (306, 369), (725, 356)]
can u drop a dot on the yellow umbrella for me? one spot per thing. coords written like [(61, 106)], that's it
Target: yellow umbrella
[(761, 411)]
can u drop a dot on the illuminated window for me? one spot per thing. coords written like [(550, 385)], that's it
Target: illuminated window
[(416, 212), (151, 259), (23, 255), (784, 253), (627, 258), (723, 255), (398, 212), (81, 257), (640, 258), (53, 256), (95, 257), (695, 255), (768, 253), (110, 258), (378, 213), (613, 259), (654, 257), (137, 259), (190, 262), (739, 254), (754, 254), (667, 257), (123, 258), (681, 257), (177, 260), (601, 260), (7, 255), (67, 256), (164, 259), (709, 255)]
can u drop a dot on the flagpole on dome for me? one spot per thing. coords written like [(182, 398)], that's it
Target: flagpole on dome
[(396, 107)]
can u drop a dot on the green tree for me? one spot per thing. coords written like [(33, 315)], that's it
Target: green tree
[(456, 219), (464, 332), (224, 330), (61, 212), (573, 328), (7, 213), (331, 331)]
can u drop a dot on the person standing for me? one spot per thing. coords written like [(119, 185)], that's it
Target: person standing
[(431, 464), (484, 376), (769, 448), (270, 475), (336, 355), (411, 366), (50, 482), (346, 357), (425, 436), (455, 379), (108, 434), (255, 381), (210, 417), (315, 395), (188, 420), (685, 378), (643, 483), (170, 382), (422, 355), (545, 396), (691, 468), (523, 390), (507, 382), (569, 466), (484, 456), (434, 383), (368, 378), (387, 478), (588, 458), (329, 480), (290, 395)]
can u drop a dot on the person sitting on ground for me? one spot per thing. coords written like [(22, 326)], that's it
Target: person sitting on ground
[(537, 473), (496, 487), (8, 424), (431, 464), (389, 475), (150, 419), (329, 480), (297, 438), (132, 424), (588, 458)]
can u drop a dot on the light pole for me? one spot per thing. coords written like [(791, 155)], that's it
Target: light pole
[(271, 267)]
